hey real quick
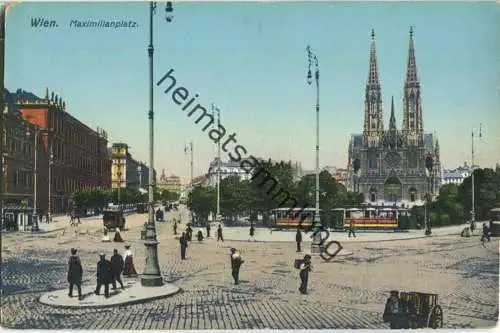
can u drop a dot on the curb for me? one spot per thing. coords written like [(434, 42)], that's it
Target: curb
[(353, 241), (130, 302)]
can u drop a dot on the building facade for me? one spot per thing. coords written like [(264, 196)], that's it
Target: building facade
[(391, 166), (126, 172), (78, 156), (340, 175), (19, 159), (226, 169), (170, 183), (456, 176)]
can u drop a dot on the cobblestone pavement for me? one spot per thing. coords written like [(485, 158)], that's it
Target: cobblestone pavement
[(348, 292)]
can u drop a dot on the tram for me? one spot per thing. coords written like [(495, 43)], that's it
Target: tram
[(495, 221), (288, 218), (381, 218)]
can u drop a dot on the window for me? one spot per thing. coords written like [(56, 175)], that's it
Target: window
[(412, 197), (372, 197)]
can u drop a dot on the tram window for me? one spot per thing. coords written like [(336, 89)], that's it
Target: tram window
[(347, 214), (367, 214)]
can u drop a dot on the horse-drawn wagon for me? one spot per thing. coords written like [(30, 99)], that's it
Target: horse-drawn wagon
[(413, 310)]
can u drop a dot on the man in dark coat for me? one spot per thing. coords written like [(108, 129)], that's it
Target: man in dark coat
[(189, 233), (305, 268), (252, 232), (75, 272), (208, 229), (351, 230), (175, 227), (298, 239), (236, 262), (184, 244), (219, 233), (104, 275), (117, 268)]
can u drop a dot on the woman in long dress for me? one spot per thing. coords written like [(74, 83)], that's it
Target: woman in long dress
[(118, 236), (128, 267)]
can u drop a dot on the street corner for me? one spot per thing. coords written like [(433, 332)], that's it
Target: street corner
[(133, 293)]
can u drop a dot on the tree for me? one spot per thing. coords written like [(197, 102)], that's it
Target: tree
[(486, 192), (202, 200), (235, 196)]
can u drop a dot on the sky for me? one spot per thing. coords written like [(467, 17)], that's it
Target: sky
[(250, 60)]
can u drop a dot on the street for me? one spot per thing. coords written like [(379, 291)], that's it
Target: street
[(348, 292)]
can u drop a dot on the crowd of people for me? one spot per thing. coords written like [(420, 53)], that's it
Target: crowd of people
[(107, 272)]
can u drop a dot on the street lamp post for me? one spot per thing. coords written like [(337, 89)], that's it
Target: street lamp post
[(313, 61), (139, 171), (151, 275), (480, 135), (217, 217), (34, 226), (51, 162)]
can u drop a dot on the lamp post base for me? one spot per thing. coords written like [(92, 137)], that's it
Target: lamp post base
[(151, 281), (317, 246), (151, 276)]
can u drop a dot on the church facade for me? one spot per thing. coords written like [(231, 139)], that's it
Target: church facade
[(390, 165)]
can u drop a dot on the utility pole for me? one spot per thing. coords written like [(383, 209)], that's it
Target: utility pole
[(473, 210), (189, 149), (313, 61), (51, 162), (217, 216)]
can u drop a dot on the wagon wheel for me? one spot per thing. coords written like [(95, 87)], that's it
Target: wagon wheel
[(435, 319)]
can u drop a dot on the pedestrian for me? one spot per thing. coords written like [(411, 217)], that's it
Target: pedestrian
[(118, 237), (298, 239), (351, 230), (104, 275), (252, 233), (486, 235), (189, 233), (175, 227), (392, 312), (305, 268), (75, 272), (472, 226), (200, 235), (208, 229), (128, 267), (184, 244), (236, 262), (105, 237), (117, 264), (219, 234)]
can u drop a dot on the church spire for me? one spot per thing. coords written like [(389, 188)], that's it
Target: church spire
[(392, 121), (373, 80), (413, 123), (411, 70), (373, 117)]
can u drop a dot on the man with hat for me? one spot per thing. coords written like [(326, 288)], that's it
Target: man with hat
[(75, 272), (104, 275), (236, 262), (305, 268)]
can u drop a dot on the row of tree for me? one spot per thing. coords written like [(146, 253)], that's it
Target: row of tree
[(99, 198), (454, 203), (258, 195), (272, 187)]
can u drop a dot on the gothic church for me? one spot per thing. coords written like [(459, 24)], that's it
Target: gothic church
[(394, 166)]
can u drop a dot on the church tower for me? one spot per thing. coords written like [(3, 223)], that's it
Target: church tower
[(412, 108), (373, 118)]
